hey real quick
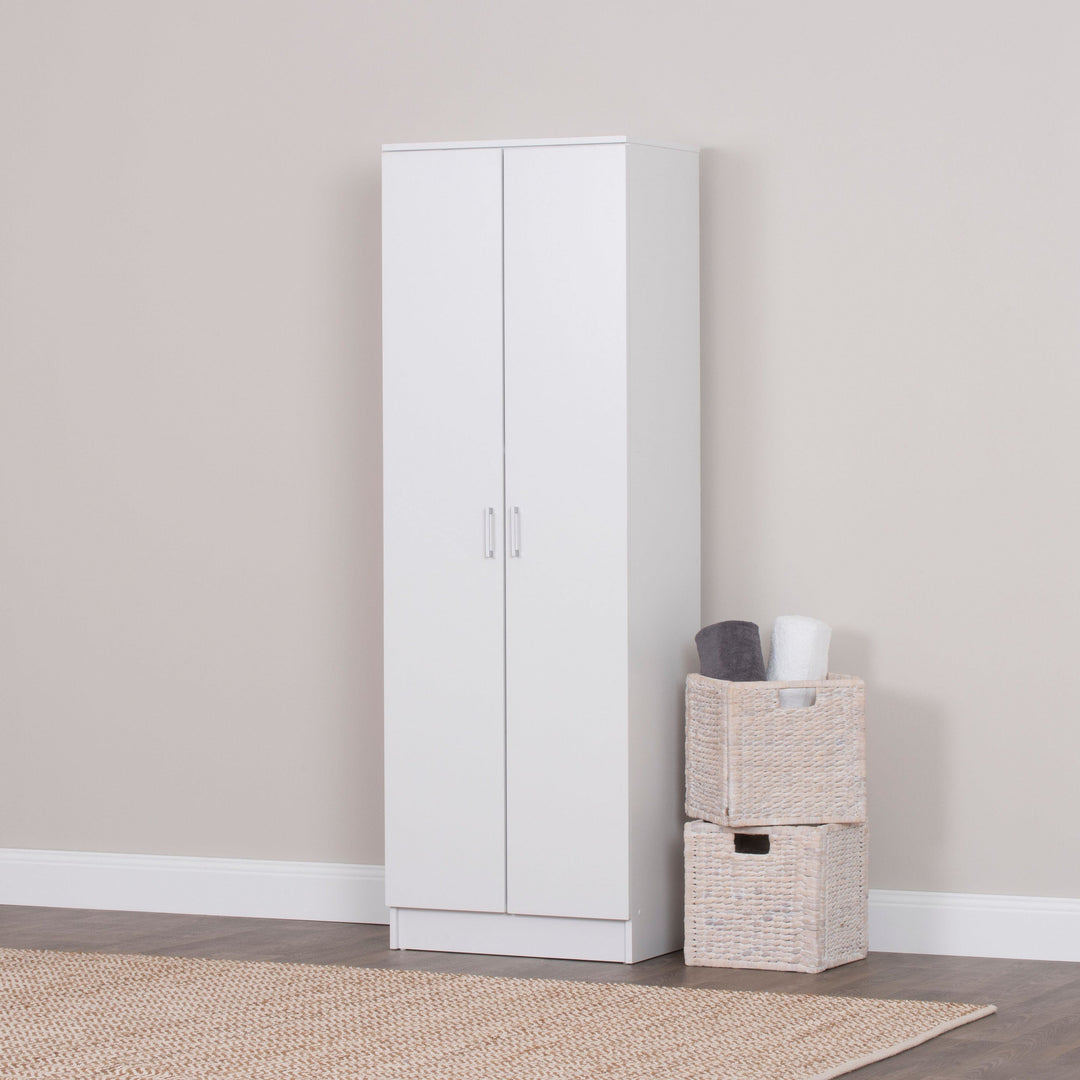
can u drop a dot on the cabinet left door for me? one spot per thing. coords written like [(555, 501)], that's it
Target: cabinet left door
[(443, 568)]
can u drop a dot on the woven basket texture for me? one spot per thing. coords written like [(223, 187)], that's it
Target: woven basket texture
[(801, 907), (750, 762)]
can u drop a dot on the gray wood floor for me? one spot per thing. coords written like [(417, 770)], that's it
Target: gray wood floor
[(1035, 1036)]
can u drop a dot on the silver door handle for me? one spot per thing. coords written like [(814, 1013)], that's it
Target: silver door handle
[(489, 533), (515, 532)]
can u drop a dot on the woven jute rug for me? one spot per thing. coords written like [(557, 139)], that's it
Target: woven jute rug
[(84, 1015)]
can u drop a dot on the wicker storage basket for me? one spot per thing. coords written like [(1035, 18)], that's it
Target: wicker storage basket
[(750, 762), (800, 906)]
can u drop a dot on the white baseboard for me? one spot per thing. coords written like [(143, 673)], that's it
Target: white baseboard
[(325, 892), (972, 924), (944, 924)]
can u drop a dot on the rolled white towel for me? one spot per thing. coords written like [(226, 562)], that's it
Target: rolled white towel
[(800, 650)]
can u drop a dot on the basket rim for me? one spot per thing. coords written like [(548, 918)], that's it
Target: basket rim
[(697, 826), (829, 682)]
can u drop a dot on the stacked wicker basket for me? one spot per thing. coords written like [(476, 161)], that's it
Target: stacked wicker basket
[(776, 860)]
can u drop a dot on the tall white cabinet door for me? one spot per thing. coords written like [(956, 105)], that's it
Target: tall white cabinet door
[(566, 572), (443, 514)]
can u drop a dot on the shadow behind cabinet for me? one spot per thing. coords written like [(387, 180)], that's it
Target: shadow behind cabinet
[(542, 542)]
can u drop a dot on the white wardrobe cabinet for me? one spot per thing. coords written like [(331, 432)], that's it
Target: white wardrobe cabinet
[(541, 539)]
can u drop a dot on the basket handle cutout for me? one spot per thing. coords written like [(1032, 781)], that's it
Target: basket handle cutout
[(751, 844), (795, 698)]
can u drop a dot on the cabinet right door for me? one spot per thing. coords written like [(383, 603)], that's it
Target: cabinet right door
[(566, 497)]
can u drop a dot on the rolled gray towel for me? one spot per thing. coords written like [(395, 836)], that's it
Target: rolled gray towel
[(731, 650)]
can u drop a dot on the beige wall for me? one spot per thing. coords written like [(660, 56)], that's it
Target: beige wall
[(189, 409)]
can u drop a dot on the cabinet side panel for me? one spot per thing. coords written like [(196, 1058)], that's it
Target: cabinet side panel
[(442, 469), (665, 524), (567, 817)]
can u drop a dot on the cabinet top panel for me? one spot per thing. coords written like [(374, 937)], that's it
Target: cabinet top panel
[(494, 143)]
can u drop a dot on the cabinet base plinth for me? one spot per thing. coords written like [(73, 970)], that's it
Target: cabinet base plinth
[(511, 935)]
